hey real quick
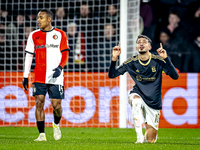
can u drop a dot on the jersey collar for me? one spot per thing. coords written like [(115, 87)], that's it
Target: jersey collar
[(49, 30), (144, 63)]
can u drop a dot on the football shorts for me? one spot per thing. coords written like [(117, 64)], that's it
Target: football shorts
[(54, 91), (151, 116)]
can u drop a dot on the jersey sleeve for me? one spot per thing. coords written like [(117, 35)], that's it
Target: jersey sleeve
[(115, 72), (64, 42), (30, 44), (64, 58), (169, 69)]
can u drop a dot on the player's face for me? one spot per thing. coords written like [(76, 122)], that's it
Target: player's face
[(143, 45), (43, 20)]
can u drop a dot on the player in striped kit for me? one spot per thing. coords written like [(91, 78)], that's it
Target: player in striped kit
[(146, 71), (50, 46)]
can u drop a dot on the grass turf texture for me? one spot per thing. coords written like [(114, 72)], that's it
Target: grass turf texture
[(97, 138)]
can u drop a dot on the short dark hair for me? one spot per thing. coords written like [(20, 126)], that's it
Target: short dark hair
[(48, 12), (175, 12), (144, 36)]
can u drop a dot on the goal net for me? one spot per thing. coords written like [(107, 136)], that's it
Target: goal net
[(93, 29)]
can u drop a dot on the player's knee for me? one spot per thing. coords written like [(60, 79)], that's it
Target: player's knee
[(57, 110), (136, 110), (151, 140), (39, 105), (133, 99), (151, 136), (136, 103), (39, 102), (56, 106)]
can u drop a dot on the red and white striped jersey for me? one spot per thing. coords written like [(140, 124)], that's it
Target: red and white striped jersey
[(48, 47)]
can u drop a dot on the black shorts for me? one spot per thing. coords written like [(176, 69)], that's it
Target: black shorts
[(54, 91)]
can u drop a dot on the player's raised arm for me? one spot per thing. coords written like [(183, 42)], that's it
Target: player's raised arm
[(116, 52), (169, 69), (162, 52), (113, 72)]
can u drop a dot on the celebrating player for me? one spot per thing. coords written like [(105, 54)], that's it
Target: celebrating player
[(145, 97), (50, 47)]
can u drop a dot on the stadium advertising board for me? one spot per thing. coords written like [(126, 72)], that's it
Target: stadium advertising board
[(92, 100)]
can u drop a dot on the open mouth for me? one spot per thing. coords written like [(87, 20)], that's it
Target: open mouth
[(141, 47)]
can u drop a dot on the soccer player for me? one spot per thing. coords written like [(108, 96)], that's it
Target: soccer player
[(50, 47), (145, 97)]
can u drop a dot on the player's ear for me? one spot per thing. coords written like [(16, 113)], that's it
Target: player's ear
[(150, 47), (49, 19)]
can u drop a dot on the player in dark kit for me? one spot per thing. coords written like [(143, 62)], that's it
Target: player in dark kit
[(50, 47), (145, 97)]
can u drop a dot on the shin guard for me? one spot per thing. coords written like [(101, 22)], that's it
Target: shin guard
[(137, 120)]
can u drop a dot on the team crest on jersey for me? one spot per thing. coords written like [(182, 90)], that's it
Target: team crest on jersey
[(55, 37), (34, 88), (153, 68), (139, 78)]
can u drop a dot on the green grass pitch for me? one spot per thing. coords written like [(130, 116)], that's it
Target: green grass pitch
[(22, 138)]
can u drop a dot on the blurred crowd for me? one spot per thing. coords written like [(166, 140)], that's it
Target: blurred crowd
[(93, 28)]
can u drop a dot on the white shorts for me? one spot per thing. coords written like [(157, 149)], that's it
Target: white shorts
[(151, 116)]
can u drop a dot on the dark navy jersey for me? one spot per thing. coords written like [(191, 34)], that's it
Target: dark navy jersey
[(147, 76)]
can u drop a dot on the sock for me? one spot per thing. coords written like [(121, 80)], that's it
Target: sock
[(145, 138), (40, 126), (56, 118), (136, 110), (138, 129)]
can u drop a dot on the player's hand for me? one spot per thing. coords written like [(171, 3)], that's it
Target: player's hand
[(57, 72), (116, 52), (162, 52), (25, 83)]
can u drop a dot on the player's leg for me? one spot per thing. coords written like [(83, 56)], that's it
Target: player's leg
[(56, 94), (151, 117), (151, 134), (39, 92), (40, 116), (136, 103), (57, 112)]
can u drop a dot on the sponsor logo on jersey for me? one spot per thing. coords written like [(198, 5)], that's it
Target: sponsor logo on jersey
[(40, 46), (139, 78), (52, 46), (137, 70), (47, 46)]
